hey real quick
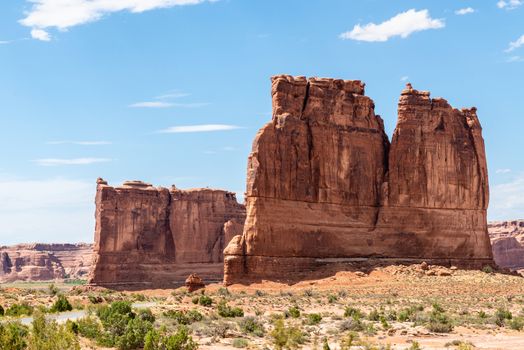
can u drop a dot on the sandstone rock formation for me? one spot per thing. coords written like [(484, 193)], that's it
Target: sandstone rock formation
[(194, 282), (507, 239), (155, 237), (41, 262), (326, 187)]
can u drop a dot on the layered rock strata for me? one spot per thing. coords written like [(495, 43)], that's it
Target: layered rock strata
[(507, 239), (42, 262), (325, 187), (155, 237)]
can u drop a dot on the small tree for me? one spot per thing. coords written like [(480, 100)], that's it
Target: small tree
[(61, 304)]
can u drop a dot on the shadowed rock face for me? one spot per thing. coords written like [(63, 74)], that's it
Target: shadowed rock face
[(42, 262), (324, 184), (507, 239), (155, 237)]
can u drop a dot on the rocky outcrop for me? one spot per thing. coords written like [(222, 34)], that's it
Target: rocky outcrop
[(42, 262), (325, 186), (507, 239), (155, 237)]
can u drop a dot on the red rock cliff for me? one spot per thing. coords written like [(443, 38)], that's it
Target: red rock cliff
[(155, 237), (324, 184), (507, 239)]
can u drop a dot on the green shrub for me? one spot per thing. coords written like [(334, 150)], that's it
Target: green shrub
[(516, 323), (225, 310), (2, 311), (61, 304), (313, 319), (145, 315), (53, 290), (223, 292), (240, 343), (439, 322), (252, 326), (95, 299), (353, 313), (332, 298), (287, 337), (134, 334), (203, 300), (19, 310), (49, 335), (13, 336), (194, 316), (89, 327), (158, 340), (415, 346), (487, 269), (293, 312), (374, 315), (501, 315)]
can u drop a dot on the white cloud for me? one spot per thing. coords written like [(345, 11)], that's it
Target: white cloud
[(509, 4), (502, 171), (64, 14), (516, 44), (81, 143), (465, 11), (404, 78), (3, 42), (48, 210), (199, 128), (403, 25), (73, 161), (40, 34), (507, 200)]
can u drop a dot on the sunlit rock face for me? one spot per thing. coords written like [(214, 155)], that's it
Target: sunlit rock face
[(43, 262), (325, 185), (154, 237), (507, 239)]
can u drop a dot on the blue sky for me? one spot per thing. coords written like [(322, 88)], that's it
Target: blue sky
[(93, 88)]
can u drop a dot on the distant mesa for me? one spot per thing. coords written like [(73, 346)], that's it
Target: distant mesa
[(326, 188), (152, 237), (507, 239)]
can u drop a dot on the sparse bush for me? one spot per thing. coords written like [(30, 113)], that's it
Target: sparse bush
[(354, 325), (13, 336), (309, 293), (482, 314), (2, 311), (313, 319), (293, 312), (438, 321), (203, 300), (53, 290), (225, 310), (516, 323), (353, 313), (145, 315), (61, 304), (49, 335), (374, 315), (287, 337), (332, 298), (89, 327), (501, 315), (415, 346), (487, 269), (134, 334), (252, 326), (95, 299), (259, 293), (240, 343), (158, 340), (223, 292)]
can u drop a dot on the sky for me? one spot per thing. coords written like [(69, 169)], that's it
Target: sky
[(174, 91)]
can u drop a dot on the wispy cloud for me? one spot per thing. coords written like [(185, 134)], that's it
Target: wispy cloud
[(516, 44), (172, 95), (513, 59), (507, 199), (199, 128), (465, 11), (4, 42), (509, 4), (404, 78), (161, 104), (403, 25), (64, 14), (73, 161), (81, 143), (502, 171), (151, 104)]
